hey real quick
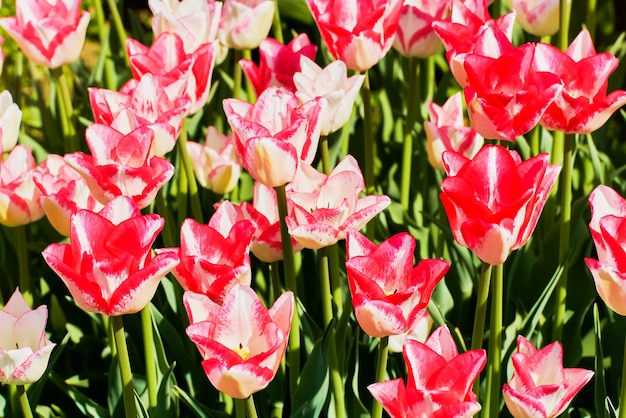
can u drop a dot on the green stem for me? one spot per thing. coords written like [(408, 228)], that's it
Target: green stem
[(250, 407), (119, 26), (240, 408), (124, 363), (622, 397), (192, 184), (275, 282), (277, 29), (148, 349), (366, 94), (564, 240), (564, 17), (163, 210), (237, 74), (481, 313), (66, 111), (335, 276), (412, 109), (535, 148), (325, 155), (381, 370), (26, 286), (293, 351), (183, 189), (591, 18), (494, 362), (28, 413), (427, 79), (103, 34)]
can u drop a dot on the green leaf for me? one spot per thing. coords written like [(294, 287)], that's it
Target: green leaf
[(86, 405), (599, 383), (199, 409)]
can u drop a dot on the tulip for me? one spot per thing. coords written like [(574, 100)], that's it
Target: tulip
[(583, 105), (241, 342), (358, 32), (439, 380), (194, 21), (24, 347), (419, 331), (19, 196), (333, 86), (539, 18), (121, 165), (63, 192), (166, 58), (215, 162), (10, 119), (493, 201), (108, 265), (326, 206), (212, 258), (278, 63), (51, 33), (245, 23), (415, 36), (388, 293), (445, 131), (608, 215), (540, 386), (274, 134)]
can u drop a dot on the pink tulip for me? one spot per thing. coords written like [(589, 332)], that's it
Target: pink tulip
[(213, 259), (540, 386), (439, 380), (263, 213), (51, 33), (24, 347), (241, 342), (358, 32), (583, 105), (108, 265), (146, 102), (195, 21), (10, 120), (245, 23), (215, 162), (539, 18), (505, 97), (332, 86), (493, 201), (608, 215), (445, 131), (415, 36), (326, 206), (166, 58), (388, 293), (278, 63), (274, 134), (19, 196), (63, 192), (419, 331), (121, 165)]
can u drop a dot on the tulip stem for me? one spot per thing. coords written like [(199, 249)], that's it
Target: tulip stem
[(119, 26), (481, 313), (148, 349), (250, 407), (622, 397), (325, 155), (564, 240), (66, 111), (194, 198), (564, 16), (366, 95), (412, 109), (237, 74), (492, 403), (21, 391), (277, 29), (381, 370), (335, 277), (293, 352), (124, 363), (26, 287)]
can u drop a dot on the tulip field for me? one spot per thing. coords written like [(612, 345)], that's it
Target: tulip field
[(313, 208)]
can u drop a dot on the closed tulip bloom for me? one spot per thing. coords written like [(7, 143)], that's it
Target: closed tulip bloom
[(540, 386), (358, 32), (388, 293), (326, 206), (195, 21), (24, 347), (538, 17), (108, 265), (332, 85), (241, 342), (213, 257), (607, 226), (415, 36), (278, 63), (245, 23), (19, 195), (274, 134), (51, 33), (583, 105), (446, 131), (439, 380), (10, 120), (494, 200)]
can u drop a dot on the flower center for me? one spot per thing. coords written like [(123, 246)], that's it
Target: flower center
[(243, 351)]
